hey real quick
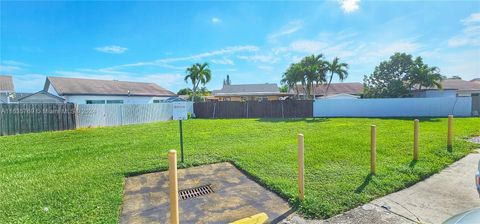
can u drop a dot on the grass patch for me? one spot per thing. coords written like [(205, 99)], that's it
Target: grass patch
[(78, 176)]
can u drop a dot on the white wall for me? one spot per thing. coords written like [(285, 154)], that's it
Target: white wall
[(393, 107), (81, 99)]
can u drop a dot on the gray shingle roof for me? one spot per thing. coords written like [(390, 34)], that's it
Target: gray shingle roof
[(354, 88), (460, 84), (248, 89), (75, 86), (6, 84)]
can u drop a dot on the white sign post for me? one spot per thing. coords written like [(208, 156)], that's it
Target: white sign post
[(180, 113)]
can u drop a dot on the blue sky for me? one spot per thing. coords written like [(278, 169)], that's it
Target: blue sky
[(253, 42)]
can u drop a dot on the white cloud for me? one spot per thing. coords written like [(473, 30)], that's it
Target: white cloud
[(472, 18), (112, 49), (9, 66), (470, 35), (223, 61), (308, 46), (289, 28), (349, 6), (216, 20), (259, 58)]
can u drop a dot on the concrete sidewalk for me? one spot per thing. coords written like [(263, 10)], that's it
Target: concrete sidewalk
[(439, 197), (431, 201)]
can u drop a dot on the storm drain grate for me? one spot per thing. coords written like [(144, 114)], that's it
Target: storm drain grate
[(195, 192)]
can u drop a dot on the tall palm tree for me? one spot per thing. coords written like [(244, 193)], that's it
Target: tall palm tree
[(314, 68), (423, 76), (198, 74), (338, 68), (293, 76)]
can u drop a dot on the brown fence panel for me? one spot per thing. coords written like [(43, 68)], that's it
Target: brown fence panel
[(255, 109), (36, 117)]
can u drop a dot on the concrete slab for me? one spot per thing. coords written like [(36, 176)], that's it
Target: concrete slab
[(235, 197), (439, 197)]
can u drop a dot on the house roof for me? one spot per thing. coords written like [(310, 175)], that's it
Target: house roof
[(76, 86), (354, 88), (458, 84), (6, 84), (27, 95), (248, 90)]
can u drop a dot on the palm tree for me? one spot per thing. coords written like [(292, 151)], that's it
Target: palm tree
[(338, 68), (314, 68), (292, 77), (422, 75), (198, 74)]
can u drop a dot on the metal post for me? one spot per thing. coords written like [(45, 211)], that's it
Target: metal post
[(373, 148), (173, 186), (450, 131), (181, 141), (415, 139), (301, 170)]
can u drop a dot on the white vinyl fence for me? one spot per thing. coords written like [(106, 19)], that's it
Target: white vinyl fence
[(393, 107), (97, 115)]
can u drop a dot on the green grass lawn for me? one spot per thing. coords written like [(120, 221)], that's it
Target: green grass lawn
[(79, 175)]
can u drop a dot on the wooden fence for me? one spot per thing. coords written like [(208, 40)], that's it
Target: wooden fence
[(254, 109), (36, 117)]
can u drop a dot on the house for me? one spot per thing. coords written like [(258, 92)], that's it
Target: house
[(94, 91), (246, 92), (451, 88), (40, 97), (350, 88), (6, 88)]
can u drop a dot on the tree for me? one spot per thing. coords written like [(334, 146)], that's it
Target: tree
[(283, 88), (314, 71), (389, 78), (198, 74), (293, 76), (309, 71), (421, 75), (184, 91), (336, 68), (399, 75), (227, 81), (455, 77)]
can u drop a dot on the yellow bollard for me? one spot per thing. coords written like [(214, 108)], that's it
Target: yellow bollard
[(173, 186), (301, 171), (373, 150), (415, 139), (450, 131)]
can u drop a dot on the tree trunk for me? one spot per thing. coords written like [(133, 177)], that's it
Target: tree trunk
[(328, 85)]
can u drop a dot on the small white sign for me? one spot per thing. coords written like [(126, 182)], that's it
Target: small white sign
[(180, 111)]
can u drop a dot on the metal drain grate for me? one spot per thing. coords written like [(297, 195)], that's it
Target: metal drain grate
[(195, 192)]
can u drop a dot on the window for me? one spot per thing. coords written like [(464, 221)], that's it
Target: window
[(114, 101), (158, 101), (95, 101)]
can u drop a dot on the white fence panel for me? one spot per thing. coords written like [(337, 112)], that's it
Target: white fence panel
[(94, 115), (393, 107)]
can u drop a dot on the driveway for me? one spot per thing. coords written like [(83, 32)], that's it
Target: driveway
[(431, 201)]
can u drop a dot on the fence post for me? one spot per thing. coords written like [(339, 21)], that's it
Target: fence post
[(373, 149), (77, 116), (450, 131), (173, 186), (301, 171), (415, 139)]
